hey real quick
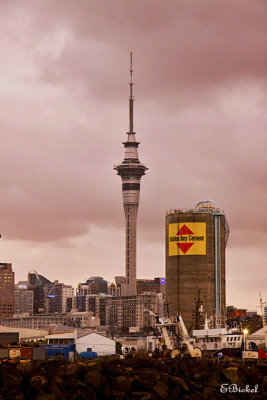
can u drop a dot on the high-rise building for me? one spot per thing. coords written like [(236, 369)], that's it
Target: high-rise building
[(93, 285), (7, 301), (67, 292), (48, 297), (37, 283), (56, 295), (131, 172), (23, 298), (195, 260), (126, 312), (95, 303), (114, 290), (36, 279), (156, 285)]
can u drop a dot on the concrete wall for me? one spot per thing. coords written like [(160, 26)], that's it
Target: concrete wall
[(25, 333)]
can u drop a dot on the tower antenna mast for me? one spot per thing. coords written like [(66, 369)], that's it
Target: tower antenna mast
[(131, 98)]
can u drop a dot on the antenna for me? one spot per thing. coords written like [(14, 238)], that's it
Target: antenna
[(131, 99), (131, 68)]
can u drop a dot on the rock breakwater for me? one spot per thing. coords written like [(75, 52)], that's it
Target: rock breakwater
[(134, 379)]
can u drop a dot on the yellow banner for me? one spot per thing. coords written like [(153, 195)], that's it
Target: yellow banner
[(187, 239)]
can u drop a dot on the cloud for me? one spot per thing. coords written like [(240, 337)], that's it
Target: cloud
[(199, 114)]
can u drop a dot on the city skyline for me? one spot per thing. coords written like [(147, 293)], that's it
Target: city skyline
[(199, 116)]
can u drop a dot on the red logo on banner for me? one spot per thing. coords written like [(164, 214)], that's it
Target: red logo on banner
[(184, 246), (184, 231)]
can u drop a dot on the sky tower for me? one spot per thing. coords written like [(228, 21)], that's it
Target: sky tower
[(130, 171)]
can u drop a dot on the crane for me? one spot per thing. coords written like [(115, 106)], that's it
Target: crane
[(194, 351), (169, 340), (34, 272)]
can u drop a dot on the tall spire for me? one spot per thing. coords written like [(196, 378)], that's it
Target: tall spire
[(131, 98), (131, 172)]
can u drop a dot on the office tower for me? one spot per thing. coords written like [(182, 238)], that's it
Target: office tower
[(23, 298), (7, 301)]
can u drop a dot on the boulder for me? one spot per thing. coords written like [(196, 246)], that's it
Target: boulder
[(105, 391), (90, 393), (147, 379), (116, 395), (93, 378), (122, 383), (38, 380), (209, 393), (180, 382), (72, 369), (147, 396), (10, 381), (46, 397), (264, 382), (140, 395), (161, 388), (233, 375), (214, 380)]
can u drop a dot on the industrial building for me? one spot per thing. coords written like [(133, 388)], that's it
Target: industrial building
[(195, 260)]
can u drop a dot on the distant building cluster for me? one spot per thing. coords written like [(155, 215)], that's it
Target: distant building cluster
[(240, 314), (38, 303)]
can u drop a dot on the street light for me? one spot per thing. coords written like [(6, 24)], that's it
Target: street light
[(245, 331)]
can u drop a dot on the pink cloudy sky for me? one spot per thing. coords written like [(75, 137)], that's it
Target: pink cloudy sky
[(199, 114)]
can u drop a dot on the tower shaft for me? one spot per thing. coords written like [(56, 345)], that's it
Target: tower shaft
[(130, 211)]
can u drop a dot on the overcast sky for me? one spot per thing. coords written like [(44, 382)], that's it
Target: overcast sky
[(199, 115)]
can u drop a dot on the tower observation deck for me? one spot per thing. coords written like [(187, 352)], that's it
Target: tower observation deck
[(131, 172)]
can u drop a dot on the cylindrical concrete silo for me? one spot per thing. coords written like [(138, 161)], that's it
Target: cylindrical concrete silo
[(195, 259)]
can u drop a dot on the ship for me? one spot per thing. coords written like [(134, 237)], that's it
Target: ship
[(220, 341)]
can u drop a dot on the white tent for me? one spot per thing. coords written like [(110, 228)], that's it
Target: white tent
[(95, 342), (258, 337)]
